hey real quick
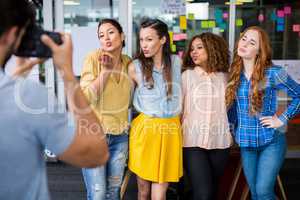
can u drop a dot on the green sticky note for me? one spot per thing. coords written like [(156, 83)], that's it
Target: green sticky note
[(204, 24), (173, 48), (223, 26), (239, 22), (218, 14), (171, 37), (191, 16), (211, 24)]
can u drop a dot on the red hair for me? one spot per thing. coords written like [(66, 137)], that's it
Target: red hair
[(262, 62)]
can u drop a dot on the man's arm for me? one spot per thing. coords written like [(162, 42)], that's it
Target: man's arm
[(88, 148)]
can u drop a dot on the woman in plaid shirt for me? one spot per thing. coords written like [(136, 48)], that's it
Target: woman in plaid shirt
[(252, 92)]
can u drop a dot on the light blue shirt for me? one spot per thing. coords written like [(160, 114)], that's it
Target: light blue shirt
[(154, 102), (29, 122)]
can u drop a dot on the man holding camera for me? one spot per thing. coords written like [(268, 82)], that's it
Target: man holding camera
[(26, 122)]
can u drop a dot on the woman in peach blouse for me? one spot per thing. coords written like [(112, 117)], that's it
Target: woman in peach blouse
[(206, 134)]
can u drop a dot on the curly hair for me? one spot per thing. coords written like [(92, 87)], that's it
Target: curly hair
[(262, 62), (218, 55)]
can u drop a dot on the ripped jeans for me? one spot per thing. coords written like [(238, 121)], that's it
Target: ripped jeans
[(104, 183)]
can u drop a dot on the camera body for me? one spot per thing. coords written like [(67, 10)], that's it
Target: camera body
[(31, 44)]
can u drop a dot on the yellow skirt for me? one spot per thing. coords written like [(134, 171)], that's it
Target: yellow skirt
[(155, 149)]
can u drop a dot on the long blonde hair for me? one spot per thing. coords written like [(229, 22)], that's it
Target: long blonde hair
[(262, 62)]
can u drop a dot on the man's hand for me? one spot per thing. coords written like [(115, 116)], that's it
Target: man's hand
[(62, 55), (24, 66)]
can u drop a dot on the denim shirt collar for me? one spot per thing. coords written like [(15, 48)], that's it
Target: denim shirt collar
[(160, 71)]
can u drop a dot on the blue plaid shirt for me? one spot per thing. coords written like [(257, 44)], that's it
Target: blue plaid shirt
[(249, 132)]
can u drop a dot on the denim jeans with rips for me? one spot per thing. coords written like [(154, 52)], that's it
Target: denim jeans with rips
[(104, 183)]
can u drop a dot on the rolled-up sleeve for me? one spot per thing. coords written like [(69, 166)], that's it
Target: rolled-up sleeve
[(284, 82)]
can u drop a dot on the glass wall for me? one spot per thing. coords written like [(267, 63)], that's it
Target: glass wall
[(280, 18), (81, 19), (88, 12), (185, 19)]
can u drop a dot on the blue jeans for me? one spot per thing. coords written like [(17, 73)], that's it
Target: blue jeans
[(262, 165), (105, 182)]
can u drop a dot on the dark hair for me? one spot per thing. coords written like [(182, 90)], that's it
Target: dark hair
[(147, 63), (113, 22), (15, 13), (218, 55)]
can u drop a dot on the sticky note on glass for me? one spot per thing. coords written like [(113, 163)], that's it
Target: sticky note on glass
[(180, 54), (225, 15), (223, 26), (171, 37), (287, 10), (296, 28), (219, 20), (239, 22), (273, 16), (211, 24), (182, 22), (261, 17), (180, 36), (183, 36), (176, 37), (191, 16), (280, 27), (204, 24), (280, 20), (176, 29), (173, 48), (280, 13), (218, 13), (216, 30)]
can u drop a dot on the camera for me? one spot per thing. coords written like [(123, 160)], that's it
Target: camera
[(31, 44)]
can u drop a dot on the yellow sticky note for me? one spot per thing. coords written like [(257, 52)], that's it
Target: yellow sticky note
[(239, 22), (182, 22), (191, 16), (173, 47), (204, 24), (171, 37), (211, 24)]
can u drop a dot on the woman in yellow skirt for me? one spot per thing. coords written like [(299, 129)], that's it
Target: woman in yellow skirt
[(155, 141)]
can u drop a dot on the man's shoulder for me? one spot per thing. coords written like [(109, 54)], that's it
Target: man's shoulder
[(26, 96), (21, 85), (30, 87)]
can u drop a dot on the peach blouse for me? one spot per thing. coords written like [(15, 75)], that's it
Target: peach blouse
[(204, 119)]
